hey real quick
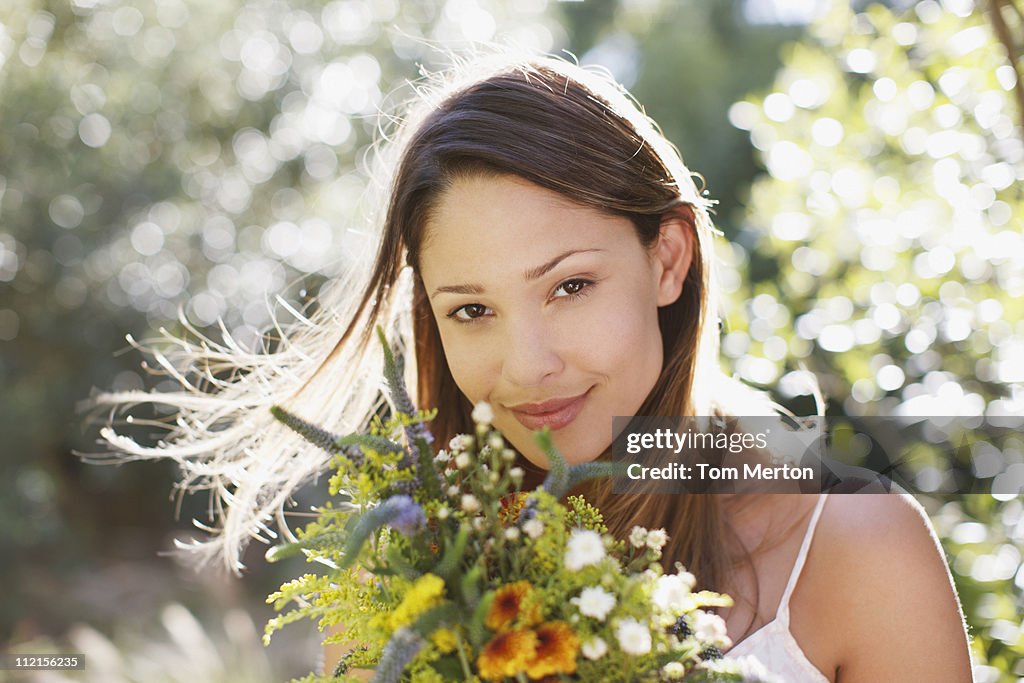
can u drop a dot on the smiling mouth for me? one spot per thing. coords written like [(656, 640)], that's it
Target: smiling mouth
[(555, 414)]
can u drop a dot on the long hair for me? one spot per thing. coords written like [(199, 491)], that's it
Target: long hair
[(568, 129)]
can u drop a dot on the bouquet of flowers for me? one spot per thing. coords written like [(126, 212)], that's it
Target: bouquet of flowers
[(441, 569)]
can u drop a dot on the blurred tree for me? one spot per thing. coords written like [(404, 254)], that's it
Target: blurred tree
[(883, 250), (687, 62), (165, 156)]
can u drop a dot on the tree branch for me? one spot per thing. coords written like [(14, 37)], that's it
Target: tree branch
[(1006, 38)]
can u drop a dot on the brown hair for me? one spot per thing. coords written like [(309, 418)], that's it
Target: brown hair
[(574, 132)]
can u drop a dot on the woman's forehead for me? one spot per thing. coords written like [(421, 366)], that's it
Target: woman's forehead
[(512, 216)]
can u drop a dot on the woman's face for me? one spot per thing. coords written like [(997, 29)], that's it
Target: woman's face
[(547, 310)]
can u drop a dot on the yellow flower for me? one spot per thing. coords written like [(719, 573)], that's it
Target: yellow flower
[(512, 601), (506, 654), (444, 640), (557, 646), (425, 592)]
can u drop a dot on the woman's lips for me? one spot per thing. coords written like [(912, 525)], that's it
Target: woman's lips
[(556, 413)]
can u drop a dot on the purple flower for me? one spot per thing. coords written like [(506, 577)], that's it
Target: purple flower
[(408, 517)]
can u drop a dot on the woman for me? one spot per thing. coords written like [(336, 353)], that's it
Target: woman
[(557, 257)]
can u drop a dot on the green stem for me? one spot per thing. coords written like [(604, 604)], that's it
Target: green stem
[(462, 657), (521, 677)]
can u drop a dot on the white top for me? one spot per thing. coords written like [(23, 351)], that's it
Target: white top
[(773, 644)]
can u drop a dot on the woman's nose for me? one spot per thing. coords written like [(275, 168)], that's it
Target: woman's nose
[(529, 355)]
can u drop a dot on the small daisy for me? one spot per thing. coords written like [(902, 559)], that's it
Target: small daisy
[(585, 547), (483, 413), (656, 539), (470, 503), (672, 592), (673, 671), (595, 648), (594, 602), (710, 628), (638, 537), (533, 528), (634, 638)]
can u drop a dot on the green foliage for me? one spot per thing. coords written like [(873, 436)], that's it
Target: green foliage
[(883, 253)]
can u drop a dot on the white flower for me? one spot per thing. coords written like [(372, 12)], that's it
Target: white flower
[(594, 602), (749, 669), (460, 442), (483, 413), (516, 473), (595, 648), (634, 638), (533, 528), (710, 628), (585, 547), (672, 593), (462, 460), (470, 504), (443, 512), (638, 537), (673, 671), (442, 456), (512, 533), (656, 539), (508, 454), (452, 491)]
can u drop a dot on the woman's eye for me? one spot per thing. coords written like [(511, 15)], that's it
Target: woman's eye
[(573, 288), (469, 312)]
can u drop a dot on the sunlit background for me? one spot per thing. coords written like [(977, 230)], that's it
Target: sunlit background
[(166, 156)]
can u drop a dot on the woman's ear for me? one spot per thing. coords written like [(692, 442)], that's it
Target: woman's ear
[(673, 252)]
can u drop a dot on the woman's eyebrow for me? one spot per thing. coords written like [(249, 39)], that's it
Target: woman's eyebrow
[(530, 274)]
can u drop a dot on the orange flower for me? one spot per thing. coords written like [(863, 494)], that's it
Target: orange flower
[(512, 601), (556, 650), (511, 505), (506, 654)]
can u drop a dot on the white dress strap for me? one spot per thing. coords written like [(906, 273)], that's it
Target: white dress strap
[(783, 612)]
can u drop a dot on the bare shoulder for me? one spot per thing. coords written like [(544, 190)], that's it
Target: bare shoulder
[(901, 614)]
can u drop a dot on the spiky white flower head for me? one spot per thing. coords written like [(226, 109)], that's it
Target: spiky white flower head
[(461, 442), (462, 460), (483, 413), (672, 593), (710, 628), (585, 547), (674, 671), (595, 602), (533, 528), (595, 648), (442, 456), (656, 539), (638, 537), (470, 504), (443, 512), (512, 533), (634, 638)]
